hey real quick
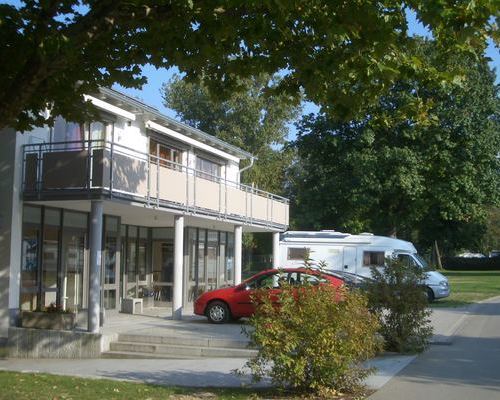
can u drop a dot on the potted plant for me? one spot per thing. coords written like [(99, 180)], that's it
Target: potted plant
[(50, 317)]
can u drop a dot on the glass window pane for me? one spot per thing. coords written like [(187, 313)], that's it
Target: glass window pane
[(73, 261), (50, 258), (201, 256), (230, 258), (141, 266), (163, 233), (212, 247), (111, 224), (32, 215), (75, 219), (29, 264)]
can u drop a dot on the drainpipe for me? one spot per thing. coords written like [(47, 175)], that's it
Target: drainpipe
[(245, 168)]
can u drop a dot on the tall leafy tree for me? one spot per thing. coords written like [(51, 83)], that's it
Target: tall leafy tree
[(342, 54), (388, 174), (249, 119)]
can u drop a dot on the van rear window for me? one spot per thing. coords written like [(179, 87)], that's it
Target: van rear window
[(373, 258), (298, 253)]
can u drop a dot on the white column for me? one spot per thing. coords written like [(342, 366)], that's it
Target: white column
[(238, 233), (276, 250), (178, 267), (96, 213)]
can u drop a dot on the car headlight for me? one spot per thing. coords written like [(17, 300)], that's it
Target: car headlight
[(443, 284)]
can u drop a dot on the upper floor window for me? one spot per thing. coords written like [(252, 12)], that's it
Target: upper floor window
[(166, 156), (207, 169), (72, 135)]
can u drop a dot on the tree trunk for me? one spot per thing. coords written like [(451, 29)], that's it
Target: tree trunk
[(438, 255)]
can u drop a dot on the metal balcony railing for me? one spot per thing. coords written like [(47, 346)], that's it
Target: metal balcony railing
[(98, 167)]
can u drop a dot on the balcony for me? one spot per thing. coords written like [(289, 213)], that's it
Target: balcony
[(99, 169)]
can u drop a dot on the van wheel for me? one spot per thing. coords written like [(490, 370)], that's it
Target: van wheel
[(430, 295), (218, 312)]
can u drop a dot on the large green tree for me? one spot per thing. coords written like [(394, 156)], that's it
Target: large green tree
[(387, 174), (248, 118), (342, 54)]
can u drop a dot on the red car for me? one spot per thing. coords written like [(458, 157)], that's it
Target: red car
[(234, 302)]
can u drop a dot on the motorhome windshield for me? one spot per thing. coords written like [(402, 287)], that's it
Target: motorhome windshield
[(421, 261)]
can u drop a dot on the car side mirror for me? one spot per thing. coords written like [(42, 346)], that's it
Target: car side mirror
[(243, 288)]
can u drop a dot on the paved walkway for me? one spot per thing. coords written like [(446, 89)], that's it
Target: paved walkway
[(202, 372), (468, 369)]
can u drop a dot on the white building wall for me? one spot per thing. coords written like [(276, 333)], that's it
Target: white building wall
[(132, 135), (232, 171)]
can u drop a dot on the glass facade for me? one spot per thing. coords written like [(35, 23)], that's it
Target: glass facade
[(73, 259), (209, 261), (136, 261)]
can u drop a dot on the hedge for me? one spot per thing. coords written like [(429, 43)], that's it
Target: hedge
[(471, 263)]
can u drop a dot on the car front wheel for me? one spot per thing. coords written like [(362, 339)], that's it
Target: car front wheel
[(430, 295), (218, 312)]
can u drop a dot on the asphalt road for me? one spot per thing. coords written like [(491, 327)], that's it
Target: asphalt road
[(467, 369)]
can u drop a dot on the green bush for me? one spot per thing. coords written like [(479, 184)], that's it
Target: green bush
[(398, 297), (312, 341)]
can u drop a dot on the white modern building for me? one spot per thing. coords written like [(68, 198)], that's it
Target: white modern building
[(133, 206)]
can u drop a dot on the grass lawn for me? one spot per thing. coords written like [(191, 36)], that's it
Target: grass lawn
[(469, 287), (29, 386), (24, 386)]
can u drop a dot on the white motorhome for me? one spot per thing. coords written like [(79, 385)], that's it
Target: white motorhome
[(355, 254)]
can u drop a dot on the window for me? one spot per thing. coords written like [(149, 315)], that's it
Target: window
[(373, 258), (166, 156), (207, 169), (72, 135), (69, 134), (298, 253), (406, 260)]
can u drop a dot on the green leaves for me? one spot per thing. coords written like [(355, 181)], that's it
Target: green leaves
[(397, 296), (341, 55), (251, 119), (312, 341), (421, 163)]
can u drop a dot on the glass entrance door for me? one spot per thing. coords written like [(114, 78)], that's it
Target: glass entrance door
[(163, 270), (111, 268)]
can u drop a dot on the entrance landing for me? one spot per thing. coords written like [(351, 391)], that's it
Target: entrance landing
[(157, 335)]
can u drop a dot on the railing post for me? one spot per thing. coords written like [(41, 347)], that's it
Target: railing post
[(187, 185), (39, 175), (272, 207), (157, 179), (251, 203), (111, 157), (194, 189), (225, 198), (149, 179), (89, 166), (220, 196)]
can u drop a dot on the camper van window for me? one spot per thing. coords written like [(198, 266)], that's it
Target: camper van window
[(298, 253), (406, 260), (373, 258)]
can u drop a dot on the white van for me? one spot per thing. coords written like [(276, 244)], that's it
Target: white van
[(355, 254)]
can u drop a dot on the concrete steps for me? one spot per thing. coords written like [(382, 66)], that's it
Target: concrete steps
[(176, 347)]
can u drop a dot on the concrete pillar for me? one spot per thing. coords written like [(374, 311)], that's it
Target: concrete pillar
[(276, 250), (10, 228), (96, 216), (178, 267), (238, 234)]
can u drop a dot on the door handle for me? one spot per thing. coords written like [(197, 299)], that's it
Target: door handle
[(346, 266)]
